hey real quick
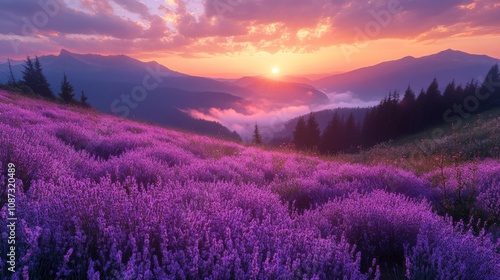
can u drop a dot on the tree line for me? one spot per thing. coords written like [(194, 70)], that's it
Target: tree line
[(340, 134), (34, 82), (395, 117)]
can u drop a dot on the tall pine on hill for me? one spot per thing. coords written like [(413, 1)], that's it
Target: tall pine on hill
[(313, 132), (330, 143), (83, 100), (12, 80), (34, 78), (29, 74), (300, 134), (257, 139), (490, 88), (67, 95), (42, 86)]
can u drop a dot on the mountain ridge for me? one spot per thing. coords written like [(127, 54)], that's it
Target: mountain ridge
[(376, 81)]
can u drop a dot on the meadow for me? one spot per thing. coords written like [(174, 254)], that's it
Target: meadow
[(99, 197)]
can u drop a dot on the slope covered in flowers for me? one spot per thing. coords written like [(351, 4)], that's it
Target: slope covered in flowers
[(105, 198)]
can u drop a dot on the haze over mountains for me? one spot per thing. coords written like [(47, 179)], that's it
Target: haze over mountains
[(199, 104)]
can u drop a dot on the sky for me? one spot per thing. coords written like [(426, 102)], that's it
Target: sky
[(232, 38)]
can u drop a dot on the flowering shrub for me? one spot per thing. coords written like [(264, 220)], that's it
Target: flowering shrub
[(379, 223), (444, 251), (105, 198), (469, 190)]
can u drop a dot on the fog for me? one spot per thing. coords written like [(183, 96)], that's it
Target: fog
[(272, 121)]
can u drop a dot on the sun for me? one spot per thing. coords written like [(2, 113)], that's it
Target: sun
[(276, 70)]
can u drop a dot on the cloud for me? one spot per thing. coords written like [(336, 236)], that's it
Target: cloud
[(272, 121), (232, 26), (134, 6), (27, 18)]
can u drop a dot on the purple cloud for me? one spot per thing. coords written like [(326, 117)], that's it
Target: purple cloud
[(222, 26)]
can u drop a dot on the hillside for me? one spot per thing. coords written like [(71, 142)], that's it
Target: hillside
[(117, 83), (144, 91), (479, 138), (102, 197)]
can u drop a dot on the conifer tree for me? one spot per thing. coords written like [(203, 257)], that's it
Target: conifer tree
[(83, 100), (449, 94), (407, 112), (313, 133), (300, 134), (434, 103), (490, 88), (42, 86), (409, 97), (34, 78), (420, 108), (257, 139), (66, 94), (350, 131), (370, 127), (29, 74), (12, 80), (331, 136)]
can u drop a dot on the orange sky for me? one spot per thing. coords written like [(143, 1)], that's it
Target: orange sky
[(327, 61), (231, 38)]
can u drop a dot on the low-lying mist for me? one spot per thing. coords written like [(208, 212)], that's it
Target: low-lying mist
[(271, 119)]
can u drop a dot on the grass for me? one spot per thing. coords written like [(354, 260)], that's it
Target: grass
[(479, 138)]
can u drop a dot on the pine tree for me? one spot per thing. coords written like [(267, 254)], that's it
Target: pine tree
[(420, 110), (433, 103), (381, 122), (409, 97), (42, 86), (407, 112), (29, 74), (491, 88), (257, 139), (449, 94), (12, 80), (83, 100), (350, 131), (370, 131), (66, 94), (300, 134), (330, 140), (313, 133)]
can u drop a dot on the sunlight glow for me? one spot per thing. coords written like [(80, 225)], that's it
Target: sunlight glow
[(276, 70)]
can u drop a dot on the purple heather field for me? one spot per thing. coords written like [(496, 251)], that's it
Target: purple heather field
[(99, 197)]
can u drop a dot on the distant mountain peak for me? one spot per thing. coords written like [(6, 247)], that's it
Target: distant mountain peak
[(374, 82), (408, 57), (452, 52), (64, 52)]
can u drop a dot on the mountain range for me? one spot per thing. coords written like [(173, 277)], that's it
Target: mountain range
[(149, 91), (107, 79), (374, 82)]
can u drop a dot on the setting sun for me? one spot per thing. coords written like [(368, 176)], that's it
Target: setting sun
[(276, 70)]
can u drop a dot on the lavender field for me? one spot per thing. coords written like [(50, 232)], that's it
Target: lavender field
[(99, 197)]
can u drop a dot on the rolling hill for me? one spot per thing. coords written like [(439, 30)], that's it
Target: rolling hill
[(100, 197), (107, 79)]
